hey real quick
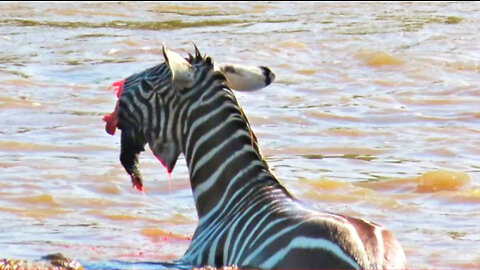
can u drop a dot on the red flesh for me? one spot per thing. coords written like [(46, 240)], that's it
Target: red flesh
[(136, 184), (111, 119), (169, 173)]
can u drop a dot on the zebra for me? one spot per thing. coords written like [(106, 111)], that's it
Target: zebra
[(246, 217)]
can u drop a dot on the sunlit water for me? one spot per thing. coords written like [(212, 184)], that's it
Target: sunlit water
[(375, 113)]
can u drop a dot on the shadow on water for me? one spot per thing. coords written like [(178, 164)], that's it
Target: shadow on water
[(114, 264)]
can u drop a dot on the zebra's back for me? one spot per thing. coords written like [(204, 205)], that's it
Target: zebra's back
[(269, 229)]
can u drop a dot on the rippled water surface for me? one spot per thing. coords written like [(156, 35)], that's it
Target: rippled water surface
[(375, 113)]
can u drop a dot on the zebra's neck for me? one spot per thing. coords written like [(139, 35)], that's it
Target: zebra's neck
[(221, 150)]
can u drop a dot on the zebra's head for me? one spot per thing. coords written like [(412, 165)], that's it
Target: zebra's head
[(150, 104)]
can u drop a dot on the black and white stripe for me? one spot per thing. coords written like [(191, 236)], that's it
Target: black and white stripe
[(246, 217)]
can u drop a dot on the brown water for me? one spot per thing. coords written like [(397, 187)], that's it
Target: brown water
[(375, 113)]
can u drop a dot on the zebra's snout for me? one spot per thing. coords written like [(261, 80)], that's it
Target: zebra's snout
[(269, 75)]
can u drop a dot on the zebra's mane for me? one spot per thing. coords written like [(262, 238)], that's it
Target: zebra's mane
[(206, 60)]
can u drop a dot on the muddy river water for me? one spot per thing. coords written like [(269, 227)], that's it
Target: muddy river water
[(375, 113)]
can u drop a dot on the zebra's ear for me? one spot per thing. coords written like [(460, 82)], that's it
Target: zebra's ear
[(182, 71), (247, 78)]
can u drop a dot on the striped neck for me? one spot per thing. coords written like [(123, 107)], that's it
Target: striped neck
[(221, 150)]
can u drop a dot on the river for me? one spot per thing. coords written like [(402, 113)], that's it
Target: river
[(375, 113)]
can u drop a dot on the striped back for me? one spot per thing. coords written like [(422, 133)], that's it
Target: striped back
[(246, 217)]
